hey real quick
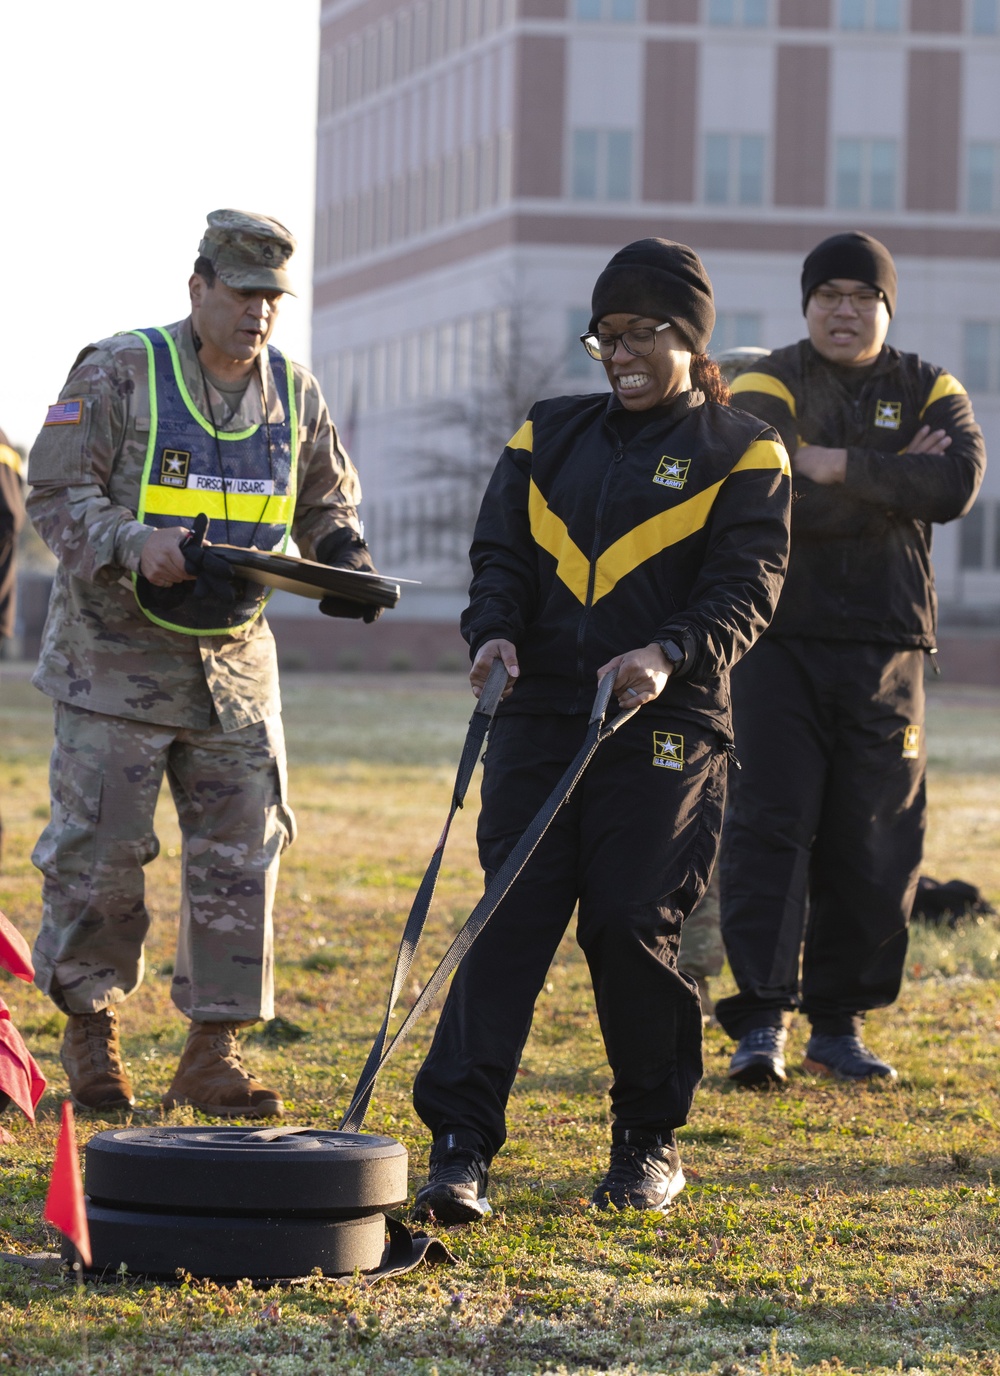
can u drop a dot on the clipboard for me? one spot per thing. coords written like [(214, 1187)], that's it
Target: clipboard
[(306, 578)]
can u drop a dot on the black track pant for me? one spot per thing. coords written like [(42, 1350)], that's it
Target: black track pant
[(827, 817), (635, 846)]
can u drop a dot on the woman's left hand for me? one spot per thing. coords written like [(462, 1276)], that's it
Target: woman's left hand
[(640, 675)]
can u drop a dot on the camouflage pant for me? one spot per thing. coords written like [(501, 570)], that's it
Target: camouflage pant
[(230, 793), (702, 953)]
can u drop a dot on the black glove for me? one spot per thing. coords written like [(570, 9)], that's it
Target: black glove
[(215, 577), (346, 549), (344, 606), (161, 599)]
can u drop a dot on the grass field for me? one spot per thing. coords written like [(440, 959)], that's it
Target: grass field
[(824, 1228)]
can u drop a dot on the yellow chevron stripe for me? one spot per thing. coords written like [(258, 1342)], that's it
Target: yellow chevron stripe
[(945, 386), (763, 382), (11, 458), (524, 438), (669, 527), (165, 501), (550, 533), (644, 541), (765, 454)]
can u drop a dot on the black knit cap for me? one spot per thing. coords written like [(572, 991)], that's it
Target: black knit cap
[(856, 257), (663, 280)]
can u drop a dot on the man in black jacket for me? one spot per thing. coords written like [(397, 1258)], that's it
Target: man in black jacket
[(828, 812)]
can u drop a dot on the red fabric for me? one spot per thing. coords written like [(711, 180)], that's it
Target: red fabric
[(19, 1076), (15, 954), (64, 1204)]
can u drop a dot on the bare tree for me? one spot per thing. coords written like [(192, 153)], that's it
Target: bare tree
[(463, 436)]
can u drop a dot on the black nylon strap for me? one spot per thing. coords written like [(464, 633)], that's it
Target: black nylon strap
[(479, 724), (405, 1251), (496, 891)]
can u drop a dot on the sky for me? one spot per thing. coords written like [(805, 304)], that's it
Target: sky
[(124, 123)]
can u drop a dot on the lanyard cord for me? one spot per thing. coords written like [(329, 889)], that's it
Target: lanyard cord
[(270, 455), (218, 448)]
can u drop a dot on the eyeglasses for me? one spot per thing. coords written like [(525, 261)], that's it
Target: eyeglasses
[(638, 342), (864, 300)]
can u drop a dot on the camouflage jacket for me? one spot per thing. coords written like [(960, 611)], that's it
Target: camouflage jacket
[(99, 651), (11, 520)]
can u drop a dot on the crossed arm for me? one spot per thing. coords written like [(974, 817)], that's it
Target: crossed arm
[(827, 466)]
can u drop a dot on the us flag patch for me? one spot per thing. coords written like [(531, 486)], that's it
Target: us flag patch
[(64, 413)]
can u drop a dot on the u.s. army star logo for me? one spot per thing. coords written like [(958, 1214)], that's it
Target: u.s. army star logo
[(174, 467), (672, 472), (888, 414), (668, 750), (911, 743)]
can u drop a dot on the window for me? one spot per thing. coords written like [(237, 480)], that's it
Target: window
[(882, 16), (578, 364), (617, 11), (747, 14), (734, 169), (982, 181), (602, 165), (865, 174), (736, 330), (985, 17), (981, 365)]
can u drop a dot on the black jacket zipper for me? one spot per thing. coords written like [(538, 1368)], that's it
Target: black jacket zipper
[(616, 457)]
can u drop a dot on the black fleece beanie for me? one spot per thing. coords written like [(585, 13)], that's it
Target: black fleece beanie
[(663, 280), (856, 257)]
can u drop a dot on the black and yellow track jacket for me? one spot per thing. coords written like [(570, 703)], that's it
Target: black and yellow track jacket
[(588, 546), (860, 564)]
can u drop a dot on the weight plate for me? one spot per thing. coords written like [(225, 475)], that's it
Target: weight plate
[(312, 1172), (231, 1248)]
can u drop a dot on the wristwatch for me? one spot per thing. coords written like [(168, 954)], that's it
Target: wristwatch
[(673, 653)]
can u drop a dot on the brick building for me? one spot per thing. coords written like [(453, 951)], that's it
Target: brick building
[(480, 160)]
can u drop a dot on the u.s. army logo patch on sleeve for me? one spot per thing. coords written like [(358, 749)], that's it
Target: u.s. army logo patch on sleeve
[(174, 465), (888, 414), (911, 743), (672, 472), (668, 750)]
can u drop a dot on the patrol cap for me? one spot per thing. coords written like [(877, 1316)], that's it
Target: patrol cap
[(248, 250)]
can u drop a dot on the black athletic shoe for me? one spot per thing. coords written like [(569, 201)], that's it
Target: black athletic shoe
[(759, 1058), (844, 1058), (456, 1185), (644, 1173)]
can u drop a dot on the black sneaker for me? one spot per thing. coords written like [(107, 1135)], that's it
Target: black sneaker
[(759, 1058), (456, 1185), (644, 1172), (844, 1058)]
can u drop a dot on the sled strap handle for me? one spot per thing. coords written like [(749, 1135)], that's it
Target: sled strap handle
[(479, 724), (496, 891)]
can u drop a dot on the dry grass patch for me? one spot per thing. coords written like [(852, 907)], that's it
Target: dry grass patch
[(824, 1229)]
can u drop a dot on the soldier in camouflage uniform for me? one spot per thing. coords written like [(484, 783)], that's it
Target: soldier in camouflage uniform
[(11, 520), (160, 662), (702, 953)]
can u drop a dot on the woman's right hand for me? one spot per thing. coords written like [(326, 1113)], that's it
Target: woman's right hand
[(483, 663)]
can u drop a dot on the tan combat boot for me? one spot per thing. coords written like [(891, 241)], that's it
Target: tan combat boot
[(92, 1058), (211, 1076)]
